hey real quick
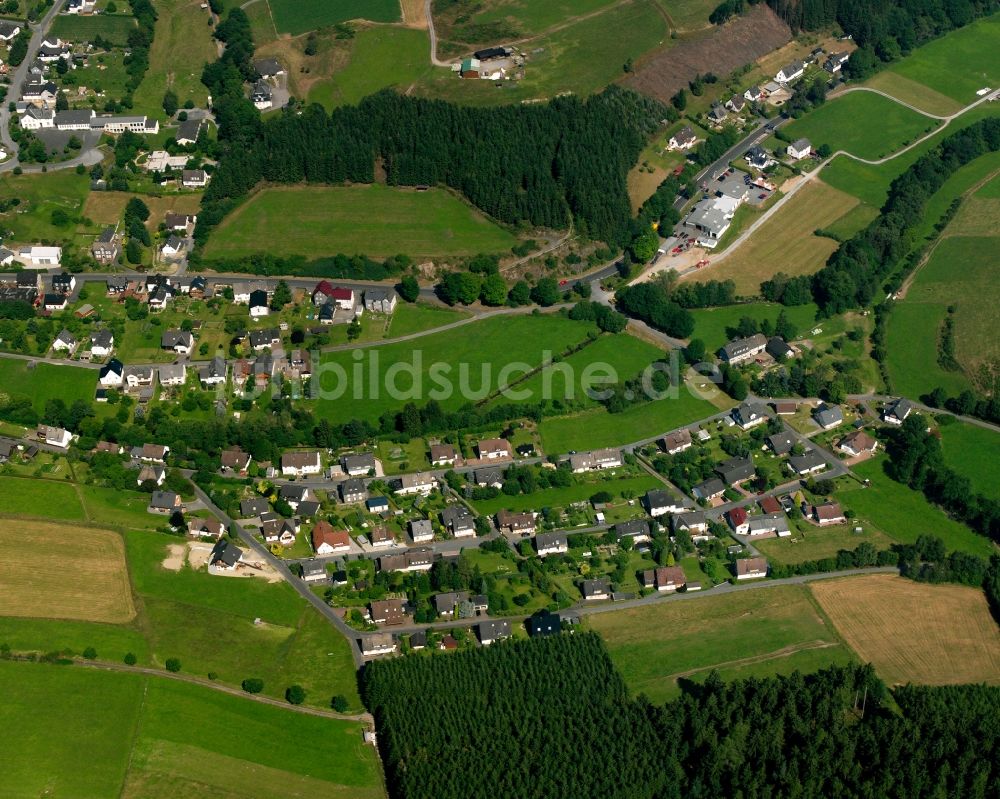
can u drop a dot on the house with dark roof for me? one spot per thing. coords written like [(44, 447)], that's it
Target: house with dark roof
[(659, 501), (741, 350), (187, 132), (458, 521), (709, 489), (636, 529), (106, 248), (515, 523), (379, 299), (225, 556), (596, 590), (258, 303), (895, 412), (735, 470), (361, 463), (551, 544), (778, 349), (828, 416), (781, 443), (180, 341), (748, 415), (543, 623), (492, 477), (693, 522), (808, 463), (352, 490), (164, 502), (491, 630)]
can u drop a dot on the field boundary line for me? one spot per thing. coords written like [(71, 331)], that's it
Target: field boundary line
[(134, 737), (777, 654)]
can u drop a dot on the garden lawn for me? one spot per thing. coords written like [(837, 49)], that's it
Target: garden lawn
[(862, 123), (74, 28), (380, 56), (561, 497), (710, 323), (751, 632), (411, 318), (301, 16), (34, 497), (597, 428), (958, 64), (902, 513), (40, 194), (487, 345), (814, 543), (972, 452), (373, 220), (114, 734)]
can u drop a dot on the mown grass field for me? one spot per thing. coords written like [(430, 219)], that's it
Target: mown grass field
[(120, 734), (45, 381), (972, 452), (561, 497), (766, 631), (373, 220), (474, 350), (39, 556), (862, 123), (301, 16), (596, 428), (107, 207), (956, 65), (786, 242), (416, 317), (48, 499), (813, 543), (74, 28), (915, 632), (902, 513), (916, 94), (710, 323), (182, 45), (378, 57)]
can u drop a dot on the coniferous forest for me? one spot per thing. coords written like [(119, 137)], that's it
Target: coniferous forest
[(551, 718)]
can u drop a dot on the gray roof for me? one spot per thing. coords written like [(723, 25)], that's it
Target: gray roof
[(807, 462), (360, 460), (802, 144), (353, 486), (689, 519), (457, 517), (189, 129), (709, 487), (547, 540), (735, 469), (660, 498), (228, 553), (172, 338), (163, 500), (828, 415), (781, 443), (267, 66), (171, 371), (741, 346), (634, 527), (72, 117), (709, 216)]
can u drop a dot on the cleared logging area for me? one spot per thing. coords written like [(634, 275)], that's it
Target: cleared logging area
[(787, 241), (64, 572), (740, 41), (915, 632)]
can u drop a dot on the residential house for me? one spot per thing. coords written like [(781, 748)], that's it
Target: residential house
[(180, 341), (636, 529), (54, 436), (828, 513), (63, 283), (362, 463), (659, 501), (710, 489), (9, 30), (676, 442), (327, 312), (206, 528), (188, 132), (150, 453), (172, 374), (807, 463), (377, 505), (253, 507), (749, 415), (111, 373), (684, 139), (352, 491), (753, 94), (106, 248), (421, 483), (260, 95), (172, 248), (308, 508), (835, 62), (492, 630), (294, 495), (299, 464), (769, 524), (378, 644), (785, 407), (65, 342), (446, 603), (116, 285), (179, 223), (214, 373), (769, 504), (799, 149), (596, 460), (341, 297), (388, 611), (268, 67), (443, 455), (160, 297), (735, 470), (225, 556), (543, 623), (551, 544), (741, 350), (494, 449), (781, 443), (327, 541), (413, 560), (380, 300), (194, 178), (665, 578), (858, 443), (828, 416), (488, 477), (139, 377), (790, 72), (458, 521), (156, 474), (595, 590), (314, 571), (421, 530), (258, 304), (751, 568), (758, 158), (779, 349), (718, 114), (54, 302), (234, 461), (693, 522), (264, 339), (736, 103), (515, 523), (380, 537), (737, 519), (896, 411), (164, 502)]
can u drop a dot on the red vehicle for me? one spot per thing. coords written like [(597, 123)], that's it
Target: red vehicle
[(563, 282), (702, 262), (677, 250)]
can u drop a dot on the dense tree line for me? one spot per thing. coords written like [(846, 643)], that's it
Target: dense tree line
[(547, 717), (966, 404), (354, 267), (551, 717), (916, 459), (853, 275), (883, 31), (651, 303), (140, 39)]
